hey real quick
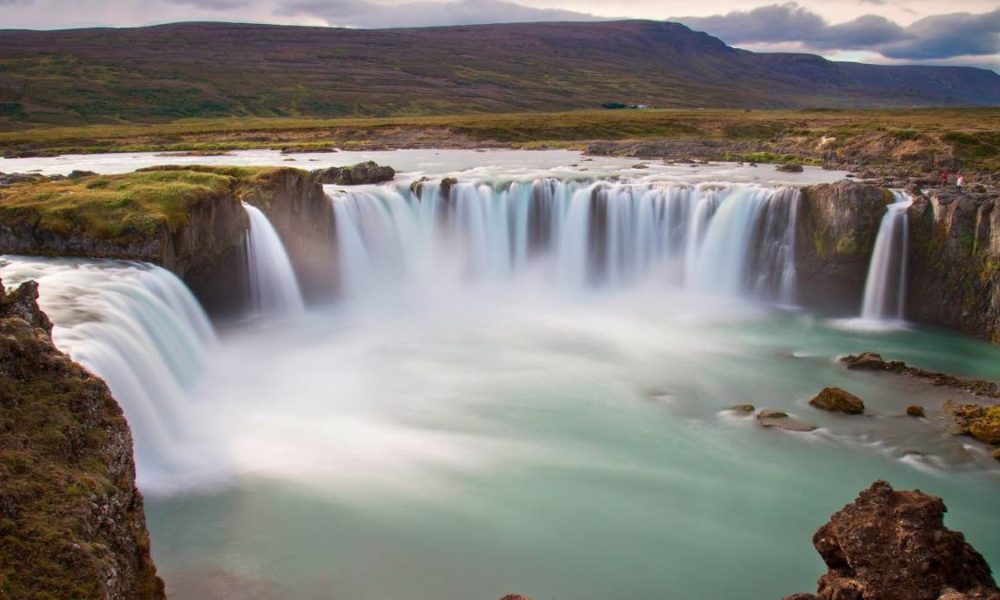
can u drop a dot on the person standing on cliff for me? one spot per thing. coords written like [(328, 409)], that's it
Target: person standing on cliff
[(944, 178), (959, 181)]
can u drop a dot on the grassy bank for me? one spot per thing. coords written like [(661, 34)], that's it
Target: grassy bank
[(123, 208), (969, 136)]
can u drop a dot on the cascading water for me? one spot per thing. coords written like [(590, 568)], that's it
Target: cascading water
[(139, 328), (729, 239), (885, 287), (273, 288)]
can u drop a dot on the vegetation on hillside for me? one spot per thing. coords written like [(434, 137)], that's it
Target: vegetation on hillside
[(211, 70)]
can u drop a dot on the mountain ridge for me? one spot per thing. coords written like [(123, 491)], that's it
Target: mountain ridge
[(202, 69)]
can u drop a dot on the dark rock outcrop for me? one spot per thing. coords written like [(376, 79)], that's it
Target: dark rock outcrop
[(955, 263), (359, 174), (300, 212), (834, 399), (890, 545), (835, 234), (789, 168), (71, 519), (871, 361)]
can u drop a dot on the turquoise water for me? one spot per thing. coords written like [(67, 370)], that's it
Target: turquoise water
[(468, 445)]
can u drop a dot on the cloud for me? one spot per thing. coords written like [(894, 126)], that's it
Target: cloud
[(936, 37), (209, 4), (362, 13), (15, 2), (945, 36)]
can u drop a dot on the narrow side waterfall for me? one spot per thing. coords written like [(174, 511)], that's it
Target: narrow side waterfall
[(140, 329), (726, 239), (273, 287), (885, 287)]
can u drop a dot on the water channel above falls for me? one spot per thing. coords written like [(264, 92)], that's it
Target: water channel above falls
[(460, 438)]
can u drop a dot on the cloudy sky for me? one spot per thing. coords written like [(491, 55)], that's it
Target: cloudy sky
[(965, 32)]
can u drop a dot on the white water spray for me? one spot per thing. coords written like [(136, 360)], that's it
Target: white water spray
[(273, 287), (139, 328), (885, 287), (712, 238)]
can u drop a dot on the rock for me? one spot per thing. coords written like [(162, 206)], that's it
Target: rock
[(996, 454), (915, 411), (866, 361), (954, 254), (71, 518), (871, 361), (836, 227), (979, 422), (780, 420), (834, 399), (890, 545), (417, 186), (360, 174), (640, 166), (515, 597), (77, 174), (789, 168), (744, 409), (446, 184)]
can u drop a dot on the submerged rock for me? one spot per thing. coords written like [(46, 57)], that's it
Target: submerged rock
[(743, 409), (360, 174), (789, 168), (780, 420), (890, 545), (834, 399), (71, 519), (915, 411)]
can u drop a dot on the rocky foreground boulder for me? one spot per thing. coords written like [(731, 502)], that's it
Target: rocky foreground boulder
[(890, 545), (71, 519)]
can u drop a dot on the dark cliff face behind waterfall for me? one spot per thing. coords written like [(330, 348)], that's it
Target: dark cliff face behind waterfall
[(728, 239), (71, 517), (955, 263), (835, 236)]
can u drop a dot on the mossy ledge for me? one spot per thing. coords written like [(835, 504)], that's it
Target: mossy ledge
[(186, 219), (71, 519)]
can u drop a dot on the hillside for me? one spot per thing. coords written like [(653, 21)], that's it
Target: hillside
[(211, 70)]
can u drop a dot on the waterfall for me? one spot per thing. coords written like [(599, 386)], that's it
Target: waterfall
[(273, 288), (885, 287), (140, 329), (712, 238)]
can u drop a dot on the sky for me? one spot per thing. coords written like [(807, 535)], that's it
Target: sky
[(957, 32)]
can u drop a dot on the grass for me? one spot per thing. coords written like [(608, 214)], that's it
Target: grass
[(126, 208), (967, 135)]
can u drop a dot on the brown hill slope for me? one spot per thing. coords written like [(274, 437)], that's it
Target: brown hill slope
[(214, 69)]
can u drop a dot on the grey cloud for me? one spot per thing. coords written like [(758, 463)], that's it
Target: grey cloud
[(361, 13), (787, 22), (945, 36), (15, 2), (209, 4), (936, 37)]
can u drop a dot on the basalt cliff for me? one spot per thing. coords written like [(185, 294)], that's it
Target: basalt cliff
[(71, 519)]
